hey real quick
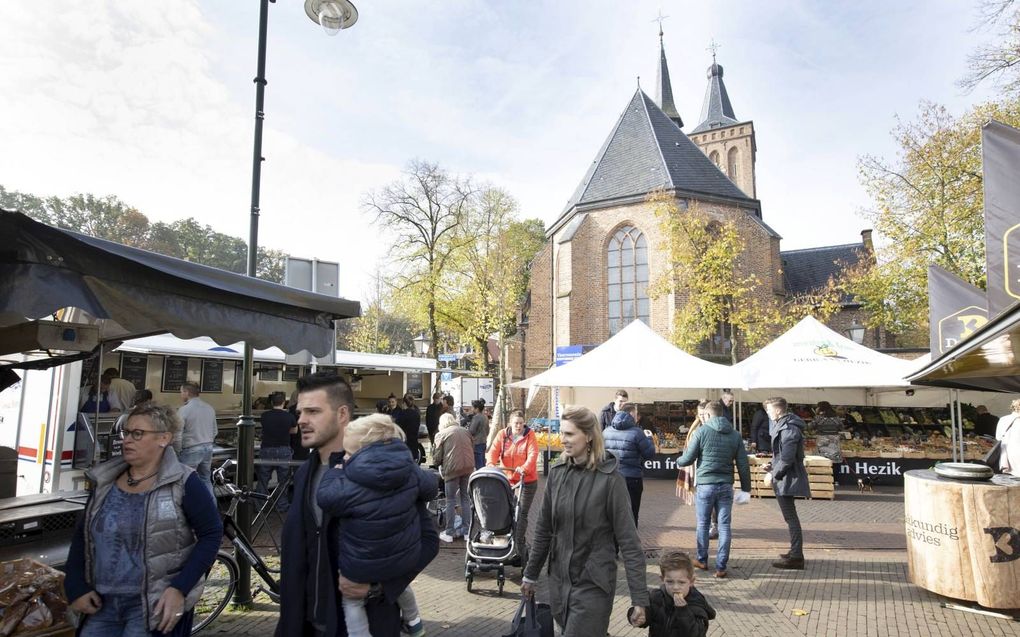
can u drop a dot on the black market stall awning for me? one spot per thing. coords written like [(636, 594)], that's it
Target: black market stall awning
[(989, 360), (44, 269)]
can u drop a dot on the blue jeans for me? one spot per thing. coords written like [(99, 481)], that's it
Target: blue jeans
[(120, 615), (479, 456), (199, 458), (720, 497), (265, 473)]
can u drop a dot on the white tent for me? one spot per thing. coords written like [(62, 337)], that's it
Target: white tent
[(810, 356), (640, 361)]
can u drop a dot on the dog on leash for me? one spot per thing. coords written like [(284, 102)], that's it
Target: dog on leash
[(864, 484)]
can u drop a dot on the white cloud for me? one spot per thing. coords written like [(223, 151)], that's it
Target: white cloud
[(153, 102)]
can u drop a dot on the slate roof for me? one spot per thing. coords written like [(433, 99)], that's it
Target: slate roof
[(664, 88), (647, 151), (809, 269), (716, 111)]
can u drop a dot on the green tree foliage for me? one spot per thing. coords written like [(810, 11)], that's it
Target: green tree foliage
[(705, 274), (927, 208), (112, 219), (495, 248)]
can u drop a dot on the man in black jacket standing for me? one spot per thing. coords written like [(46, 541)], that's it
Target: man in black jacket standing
[(310, 602), (789, 477), (432, 414), (609, 411)]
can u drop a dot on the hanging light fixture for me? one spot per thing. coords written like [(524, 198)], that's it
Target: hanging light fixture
[(332, 15)]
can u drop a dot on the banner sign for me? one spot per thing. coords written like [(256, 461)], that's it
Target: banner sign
[(956, 309), (1000, 149)]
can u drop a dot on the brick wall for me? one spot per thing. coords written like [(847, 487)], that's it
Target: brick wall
[(738, 139)]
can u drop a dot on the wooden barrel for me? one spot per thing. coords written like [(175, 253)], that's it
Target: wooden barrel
[(963, 537)]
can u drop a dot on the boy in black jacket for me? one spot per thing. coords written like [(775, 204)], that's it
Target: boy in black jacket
[(677, 609)]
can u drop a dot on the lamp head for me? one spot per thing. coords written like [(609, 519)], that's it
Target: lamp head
[(332, 15)]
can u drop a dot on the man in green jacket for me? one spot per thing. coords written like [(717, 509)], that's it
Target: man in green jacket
[(716, 446)]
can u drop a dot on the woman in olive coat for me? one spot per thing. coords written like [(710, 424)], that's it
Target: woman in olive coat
[(585, 514)]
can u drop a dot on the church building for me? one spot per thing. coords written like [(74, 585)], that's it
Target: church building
[(591, 278)]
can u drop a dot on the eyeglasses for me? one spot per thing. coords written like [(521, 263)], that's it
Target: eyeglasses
[(137, 434)]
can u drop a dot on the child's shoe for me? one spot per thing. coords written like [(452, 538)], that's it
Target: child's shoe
[(417, 629)]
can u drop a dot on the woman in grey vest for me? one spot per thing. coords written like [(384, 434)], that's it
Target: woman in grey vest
[(149, 533)]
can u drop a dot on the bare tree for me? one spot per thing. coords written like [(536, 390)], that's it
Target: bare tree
[(422, 210), (999, 61)]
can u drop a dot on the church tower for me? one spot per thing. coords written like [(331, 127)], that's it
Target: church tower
[(663, 88), (728, 142)]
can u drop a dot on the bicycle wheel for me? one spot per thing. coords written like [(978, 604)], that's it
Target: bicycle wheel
[(219, 589)]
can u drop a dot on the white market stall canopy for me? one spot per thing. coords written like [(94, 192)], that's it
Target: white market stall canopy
[(635, 358), (202, 347), (810, 357)]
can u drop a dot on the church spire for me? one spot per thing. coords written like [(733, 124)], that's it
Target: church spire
[(663, 88), (716, 110)]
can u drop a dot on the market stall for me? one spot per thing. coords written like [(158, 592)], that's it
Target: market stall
[(887, 426), (657, 375)]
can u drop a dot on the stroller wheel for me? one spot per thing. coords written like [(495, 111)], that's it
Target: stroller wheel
[(499, 583), (470, 579)]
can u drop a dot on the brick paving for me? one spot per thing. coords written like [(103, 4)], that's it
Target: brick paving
[(855, 582)]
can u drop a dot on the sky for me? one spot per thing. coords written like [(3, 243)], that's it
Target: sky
[(154, 102)]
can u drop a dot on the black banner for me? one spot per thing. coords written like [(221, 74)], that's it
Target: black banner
[(134, 368), (1000, 149), (212, 376), (956, 309), (175, 373)]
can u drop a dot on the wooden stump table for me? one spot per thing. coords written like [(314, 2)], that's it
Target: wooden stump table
[(963, 537)]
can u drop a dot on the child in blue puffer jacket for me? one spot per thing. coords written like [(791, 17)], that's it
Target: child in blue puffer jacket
[(377, 495)]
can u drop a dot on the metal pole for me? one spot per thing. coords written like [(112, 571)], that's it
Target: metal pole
[(952, 426), (959, 420), (246, 423)]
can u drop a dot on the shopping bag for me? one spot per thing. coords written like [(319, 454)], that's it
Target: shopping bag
[(531, 620)]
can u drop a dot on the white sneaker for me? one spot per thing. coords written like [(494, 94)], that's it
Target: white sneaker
[(446, 537)]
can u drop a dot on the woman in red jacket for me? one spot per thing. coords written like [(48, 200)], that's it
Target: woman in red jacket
[(515, 451)]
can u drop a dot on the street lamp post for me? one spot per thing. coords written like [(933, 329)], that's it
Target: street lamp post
[(332, 15)]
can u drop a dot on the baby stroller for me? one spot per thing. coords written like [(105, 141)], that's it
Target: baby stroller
[(491, 545)]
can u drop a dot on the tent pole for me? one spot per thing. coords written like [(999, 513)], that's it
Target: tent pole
[(952, 426), (959, 419)]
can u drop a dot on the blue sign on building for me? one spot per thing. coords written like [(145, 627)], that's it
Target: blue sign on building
[(448, 358), (567, 353)]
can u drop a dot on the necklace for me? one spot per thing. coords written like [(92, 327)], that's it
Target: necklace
[(134, 482)]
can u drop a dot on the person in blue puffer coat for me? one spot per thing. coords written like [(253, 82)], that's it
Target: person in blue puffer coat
[(631, 447), (377, 496)]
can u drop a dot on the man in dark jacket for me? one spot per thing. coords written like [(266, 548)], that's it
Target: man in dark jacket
[(609, 411), (432, 414), (631, 447), (310, 604), (789, 477), (716, 447), (760, 436)]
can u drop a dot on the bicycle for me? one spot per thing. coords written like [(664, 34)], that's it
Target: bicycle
[(221, 580)]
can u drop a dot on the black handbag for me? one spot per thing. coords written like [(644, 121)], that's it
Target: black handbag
[(531, 620), (994, 455)]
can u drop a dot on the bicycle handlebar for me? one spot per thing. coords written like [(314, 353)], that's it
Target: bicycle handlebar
[(220, 478)]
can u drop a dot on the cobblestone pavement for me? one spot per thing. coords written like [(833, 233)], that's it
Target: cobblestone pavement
[(855, 583)]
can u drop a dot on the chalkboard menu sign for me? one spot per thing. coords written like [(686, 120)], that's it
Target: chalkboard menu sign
[(291, 373), (212, 376), (133, 368), (238, 378), (175, 373), (414, 384)]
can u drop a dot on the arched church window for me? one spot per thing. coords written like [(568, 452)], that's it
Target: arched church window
[(714, 157), (731, 163), (627, 278)]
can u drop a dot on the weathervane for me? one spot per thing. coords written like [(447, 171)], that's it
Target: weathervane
[(659, 19), (713, 47)]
